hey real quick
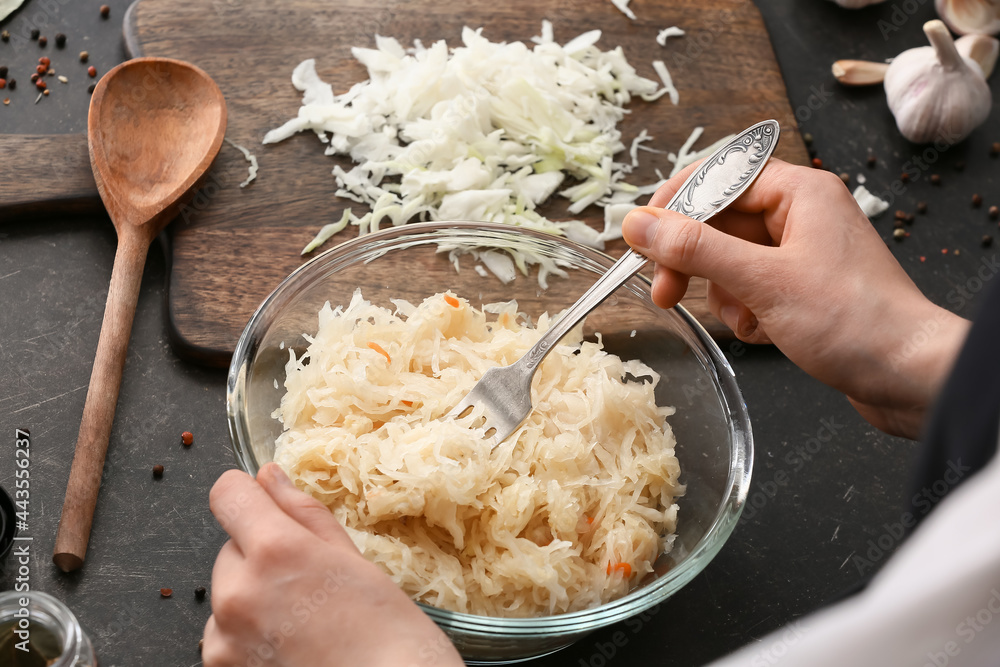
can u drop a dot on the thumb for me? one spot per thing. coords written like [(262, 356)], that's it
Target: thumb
[(302, 507), (693, 248)]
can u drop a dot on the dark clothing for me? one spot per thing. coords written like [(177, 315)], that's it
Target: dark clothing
[(962, 431)]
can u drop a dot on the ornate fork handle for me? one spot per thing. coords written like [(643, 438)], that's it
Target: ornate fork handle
[(717, 182)]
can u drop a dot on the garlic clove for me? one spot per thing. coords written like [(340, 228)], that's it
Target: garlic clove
[(934, 92), (979, 17), (859, 72), (981, 48)]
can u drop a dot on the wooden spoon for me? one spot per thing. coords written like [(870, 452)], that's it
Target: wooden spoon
[(154, 128)]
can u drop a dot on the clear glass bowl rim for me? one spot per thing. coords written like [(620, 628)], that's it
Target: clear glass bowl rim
[(569, 624)]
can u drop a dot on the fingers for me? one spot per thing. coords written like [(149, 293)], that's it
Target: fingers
[(302, 507), (669, 286), (694, 248), (216, 649), (735, 315), (246, 511)]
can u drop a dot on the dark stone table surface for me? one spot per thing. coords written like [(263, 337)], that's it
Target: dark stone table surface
[(793, 549)]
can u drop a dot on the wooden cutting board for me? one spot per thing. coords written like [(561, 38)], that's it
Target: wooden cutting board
[(233, 245)]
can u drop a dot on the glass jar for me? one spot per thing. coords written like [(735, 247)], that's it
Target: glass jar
[(52, 633)]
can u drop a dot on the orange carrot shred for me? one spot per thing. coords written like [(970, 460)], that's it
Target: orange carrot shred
[(408, 404), (378, 348), (451, 301), (624, 568)]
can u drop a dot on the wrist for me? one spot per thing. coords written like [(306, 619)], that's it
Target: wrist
[(915, 355), (925, 353)]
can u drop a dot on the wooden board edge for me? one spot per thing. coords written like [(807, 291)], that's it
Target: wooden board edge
[(130, 31)]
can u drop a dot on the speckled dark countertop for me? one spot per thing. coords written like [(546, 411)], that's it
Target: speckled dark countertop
[(794, 547)]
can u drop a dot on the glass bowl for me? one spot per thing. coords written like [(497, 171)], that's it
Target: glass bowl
[(714, 441)]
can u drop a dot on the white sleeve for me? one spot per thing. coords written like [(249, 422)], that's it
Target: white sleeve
[(936, 602)]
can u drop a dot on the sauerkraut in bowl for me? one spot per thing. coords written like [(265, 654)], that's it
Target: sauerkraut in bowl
[(580, 519)]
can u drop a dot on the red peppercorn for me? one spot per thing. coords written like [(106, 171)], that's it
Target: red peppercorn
[(41, 69), (105, 11), (166, 592), (40, 85), (91, 71), (816, 162), (187, 438), (44, 60), (34, 77), (3, 83)]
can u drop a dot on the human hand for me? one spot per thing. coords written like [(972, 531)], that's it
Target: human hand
[(794, 261), (290, 588)]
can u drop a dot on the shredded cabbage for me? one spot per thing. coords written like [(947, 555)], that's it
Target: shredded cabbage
[(568, 513), (484, 131)]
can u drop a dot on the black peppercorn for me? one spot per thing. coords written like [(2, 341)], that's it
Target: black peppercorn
[(12, 84), (199, 593), (35, 32), (897, 223), (921, 207), (105, 11), (845, 177), (994, 213), (42, 41), (5, 36), (157, 471), (935, 179), (960, 166), (60, 40), (977, 200), (987, 241), (90, 88), (807, 138), (904, 177), (995, 149), (872, 160), (3, 71)]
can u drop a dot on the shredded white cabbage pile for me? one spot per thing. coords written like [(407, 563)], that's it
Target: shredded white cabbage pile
[(566, 514), (484, 131)]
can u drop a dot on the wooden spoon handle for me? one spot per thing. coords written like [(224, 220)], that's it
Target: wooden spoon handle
[(102, 397)]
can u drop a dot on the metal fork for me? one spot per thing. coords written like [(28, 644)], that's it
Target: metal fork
[(505, 391)]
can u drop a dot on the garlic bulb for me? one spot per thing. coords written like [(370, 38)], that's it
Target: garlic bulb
[(934, 92), (979, 17), (857, 4)]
